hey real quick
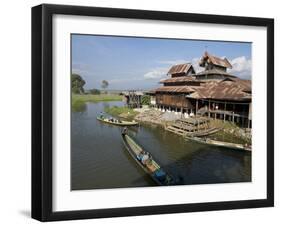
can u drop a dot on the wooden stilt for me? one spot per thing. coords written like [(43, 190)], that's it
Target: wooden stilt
[(224, 111), (181, 112), (209, 110), (196, 108)]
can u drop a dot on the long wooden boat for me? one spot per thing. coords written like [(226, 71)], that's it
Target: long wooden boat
[(220, 143), (150, 166), (117, 122), (202, 133), (199, 133)]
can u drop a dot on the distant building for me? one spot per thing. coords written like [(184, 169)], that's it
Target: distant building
[(132, 98), (213, 92)]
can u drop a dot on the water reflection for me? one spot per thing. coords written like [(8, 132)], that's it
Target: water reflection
[(79, 107), (99, 159)]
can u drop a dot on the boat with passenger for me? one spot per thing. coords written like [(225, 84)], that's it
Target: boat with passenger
[(114, 121), (145, 160)]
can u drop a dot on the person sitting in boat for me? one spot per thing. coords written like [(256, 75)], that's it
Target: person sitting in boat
[(145, 158), (125, 131), (101, 115), (140, 155)]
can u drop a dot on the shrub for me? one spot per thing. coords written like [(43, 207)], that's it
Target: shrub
[(145, 100), (94, 91)]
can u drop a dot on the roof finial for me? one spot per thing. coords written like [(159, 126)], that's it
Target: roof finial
[(206, 49)]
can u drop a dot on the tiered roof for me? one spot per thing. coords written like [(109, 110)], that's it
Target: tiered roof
[(224, 90), (175, 89), (208, 58), (229, 88), (178, 79), (214, 72), (181, 69)]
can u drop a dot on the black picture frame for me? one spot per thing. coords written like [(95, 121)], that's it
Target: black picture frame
[(42, 107)]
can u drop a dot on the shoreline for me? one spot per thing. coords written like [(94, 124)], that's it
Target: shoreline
[(229, 132)]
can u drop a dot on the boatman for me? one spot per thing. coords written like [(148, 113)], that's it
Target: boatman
[(125, 130), (144, 159)]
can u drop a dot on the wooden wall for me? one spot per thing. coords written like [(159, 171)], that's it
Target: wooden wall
[(173, 100)]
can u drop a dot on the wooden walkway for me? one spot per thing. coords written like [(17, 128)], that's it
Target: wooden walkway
[(176, 130), (192, 127)]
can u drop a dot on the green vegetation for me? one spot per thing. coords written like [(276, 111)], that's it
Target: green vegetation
[(145, 100), (94, 91), (79, 107), (123, 112), (104, 85), (230, 133), (77, 83), (82, 99)]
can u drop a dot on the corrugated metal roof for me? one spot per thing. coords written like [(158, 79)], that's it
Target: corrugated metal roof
[(227, 89), (175, 89), (127, 93), (151, 92), (180, 68), (245, 84), (214, 72), (179, 79), (214, 60), (224, 90)]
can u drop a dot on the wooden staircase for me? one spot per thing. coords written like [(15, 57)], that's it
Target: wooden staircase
[(176, 130), (192, 127)]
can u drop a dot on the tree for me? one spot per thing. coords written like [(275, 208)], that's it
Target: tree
[(104, 84), (77, 83), (94, 91)]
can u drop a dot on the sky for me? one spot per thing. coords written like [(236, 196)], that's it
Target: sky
[(140, 63)]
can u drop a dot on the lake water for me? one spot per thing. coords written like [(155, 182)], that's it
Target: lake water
[(99, 159)]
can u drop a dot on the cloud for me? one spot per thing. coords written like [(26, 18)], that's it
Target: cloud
[(156, 73), (194, 61), (195, 64), (81, 68), (161, 72), (241, 67)]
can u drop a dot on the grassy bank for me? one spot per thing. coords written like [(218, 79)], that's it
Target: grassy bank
[(79, 99), (230, 133), (123, 112)]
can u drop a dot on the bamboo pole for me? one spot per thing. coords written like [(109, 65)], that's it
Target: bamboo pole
[(209, 110), (196, 108), (224, 111)]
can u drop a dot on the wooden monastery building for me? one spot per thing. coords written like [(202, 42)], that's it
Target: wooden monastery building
[(212, 92)]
